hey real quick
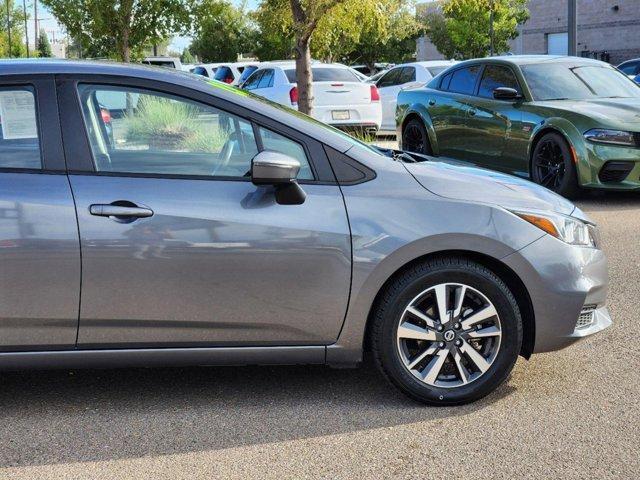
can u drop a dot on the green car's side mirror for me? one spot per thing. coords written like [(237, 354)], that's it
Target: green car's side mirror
[(506, 93)]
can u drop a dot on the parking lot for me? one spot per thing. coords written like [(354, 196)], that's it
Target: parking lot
[(569, 414)]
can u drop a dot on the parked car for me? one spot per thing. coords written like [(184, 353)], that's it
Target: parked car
[(167, 62), (376, 77), (631, 68), (219, 228), (404, 76), (206, 69), (378, 67), (340, 98), (231, 73), (564, 122)]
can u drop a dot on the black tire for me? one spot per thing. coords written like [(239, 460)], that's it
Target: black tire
[(390, 307), (415, 137), (552, 165)]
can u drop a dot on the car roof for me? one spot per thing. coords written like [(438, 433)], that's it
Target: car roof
[(534, 59), (26, 67), (431, 63)]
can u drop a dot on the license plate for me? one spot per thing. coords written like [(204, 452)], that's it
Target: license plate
[(340, 114)]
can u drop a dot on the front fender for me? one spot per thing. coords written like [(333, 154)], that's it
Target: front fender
[(576, 142)]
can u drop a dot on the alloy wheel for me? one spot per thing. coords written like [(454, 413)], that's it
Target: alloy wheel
[(414, 138), (549, 164), (449, 335)]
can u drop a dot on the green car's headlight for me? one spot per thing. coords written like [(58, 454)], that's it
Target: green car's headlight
[(615, 137), (568, 229)]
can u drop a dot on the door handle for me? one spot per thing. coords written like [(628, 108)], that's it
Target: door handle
[(472, 111), (432, 102), (111, 210)]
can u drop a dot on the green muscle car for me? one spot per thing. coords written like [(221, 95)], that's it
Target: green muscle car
[(564, 122)]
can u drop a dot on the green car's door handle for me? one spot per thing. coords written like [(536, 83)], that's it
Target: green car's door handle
[(432, 102)]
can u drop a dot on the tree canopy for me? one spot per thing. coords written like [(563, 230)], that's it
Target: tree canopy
[(222, 31), (121, 29), (462, 30), (18, 48)]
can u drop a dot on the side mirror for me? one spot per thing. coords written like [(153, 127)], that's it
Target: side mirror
[(506, 93), (281, 171)]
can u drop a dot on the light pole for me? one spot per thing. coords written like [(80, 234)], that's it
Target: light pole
[(572, 28), (26, 32), (491, 35), (8, 28)]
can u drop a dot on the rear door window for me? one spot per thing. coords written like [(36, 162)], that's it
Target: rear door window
[(390, 78), (19, 139), (407, 75), (253, 81), (463, 80)]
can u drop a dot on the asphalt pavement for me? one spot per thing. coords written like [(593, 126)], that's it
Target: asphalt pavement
[(569, 414)]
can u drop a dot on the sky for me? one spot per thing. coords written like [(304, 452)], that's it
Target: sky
[(54, 31)]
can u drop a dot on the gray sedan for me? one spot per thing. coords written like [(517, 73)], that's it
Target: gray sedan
[(151, 217)]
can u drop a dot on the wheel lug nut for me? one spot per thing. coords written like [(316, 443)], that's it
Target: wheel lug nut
[(458, 343), (456, 326), (440, 328), (441, 345)]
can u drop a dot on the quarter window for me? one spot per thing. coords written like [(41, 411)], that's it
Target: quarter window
[(19, 142), (266, 80), (464, 80), (495, 76), (141, 131)]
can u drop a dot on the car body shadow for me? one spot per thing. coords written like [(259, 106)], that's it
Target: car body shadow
[(52, 417)]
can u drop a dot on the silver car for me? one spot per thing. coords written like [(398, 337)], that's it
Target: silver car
[(151, 217)]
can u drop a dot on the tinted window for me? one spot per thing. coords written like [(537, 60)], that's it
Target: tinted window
[(163, 134), (446, 80), (224, 74), (495, 76), (326, 74), (553, 81), (390, 78), (267, 79), (277, 143), (630, 68), (246, 72), (463, 80), (407, 75), (253, 81), (19, 144), (200, 71)]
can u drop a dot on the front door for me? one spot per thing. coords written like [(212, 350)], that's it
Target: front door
[(39, 244), (179, 248)]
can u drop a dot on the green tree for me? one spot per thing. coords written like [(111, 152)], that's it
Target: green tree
[(464, 30), (187, 57), (121, 29), (389, 35), (16, 17), (222, 31), (44, 47)]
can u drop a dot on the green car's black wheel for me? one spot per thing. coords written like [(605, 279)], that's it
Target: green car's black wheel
[(552, 166), (415, 138)]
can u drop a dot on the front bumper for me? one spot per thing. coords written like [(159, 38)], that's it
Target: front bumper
[(561, 280), (598, 156)]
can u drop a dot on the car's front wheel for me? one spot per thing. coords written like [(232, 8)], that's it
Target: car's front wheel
[(552, 165), (447, 331)]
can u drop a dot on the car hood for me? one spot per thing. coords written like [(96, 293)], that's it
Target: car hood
[(616, 112), (485, 186)]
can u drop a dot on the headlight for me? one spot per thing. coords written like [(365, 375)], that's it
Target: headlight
[(615, 137), (568, 229)]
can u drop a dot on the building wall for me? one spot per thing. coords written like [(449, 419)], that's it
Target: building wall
[(602, 29)]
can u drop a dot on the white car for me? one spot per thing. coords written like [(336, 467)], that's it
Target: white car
[(340, 98), (232, 73), (404, 76), (167, 62), (206, 69)]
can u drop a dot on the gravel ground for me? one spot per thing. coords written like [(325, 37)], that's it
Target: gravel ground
[(569, 414)]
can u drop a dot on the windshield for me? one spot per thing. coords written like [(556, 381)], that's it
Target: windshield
[(326, 75), (555, 81)]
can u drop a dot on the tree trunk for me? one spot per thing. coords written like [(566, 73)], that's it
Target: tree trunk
[(304, 76)]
